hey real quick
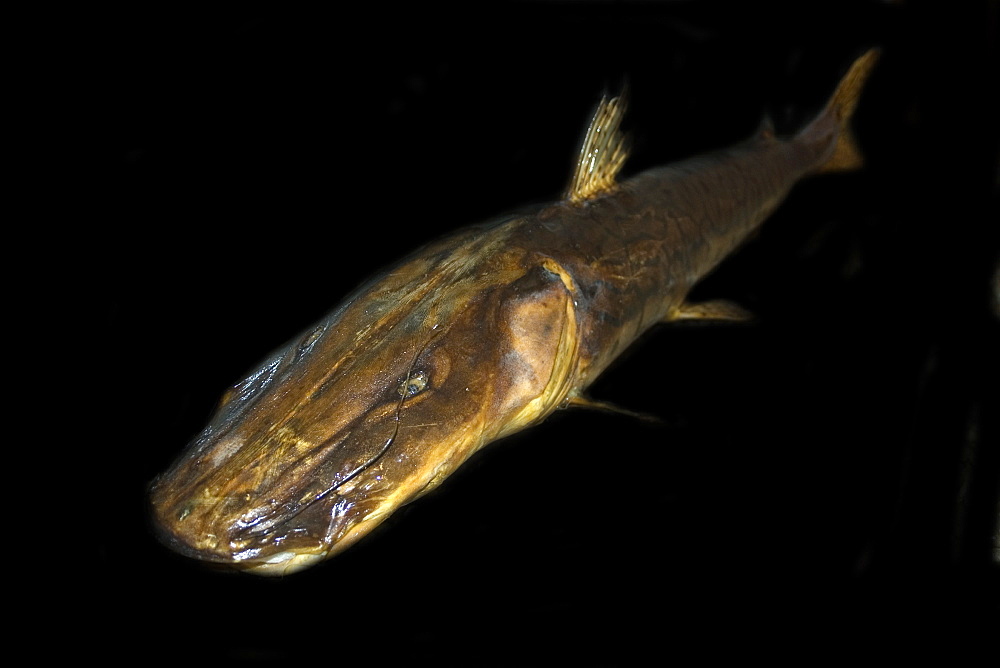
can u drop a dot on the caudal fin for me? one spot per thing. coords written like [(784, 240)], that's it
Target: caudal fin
[(836, 117)]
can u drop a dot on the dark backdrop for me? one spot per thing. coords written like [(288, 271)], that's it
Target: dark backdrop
[(822, 478)]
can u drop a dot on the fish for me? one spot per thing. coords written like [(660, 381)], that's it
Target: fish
[(474, 337)]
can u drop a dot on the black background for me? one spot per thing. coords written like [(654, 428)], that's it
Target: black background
[(821, 479)]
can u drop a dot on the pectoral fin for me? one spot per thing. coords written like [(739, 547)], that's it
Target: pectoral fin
[(718, 309), (592, 404)]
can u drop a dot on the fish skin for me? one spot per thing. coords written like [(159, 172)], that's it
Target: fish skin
[(471, 338)]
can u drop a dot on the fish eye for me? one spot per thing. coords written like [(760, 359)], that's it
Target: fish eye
[(413, 385)]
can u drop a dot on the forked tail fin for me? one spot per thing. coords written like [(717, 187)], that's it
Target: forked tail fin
[(835, 118)]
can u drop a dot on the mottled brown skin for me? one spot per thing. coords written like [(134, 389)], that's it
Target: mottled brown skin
[(472, 338), (635, 253)]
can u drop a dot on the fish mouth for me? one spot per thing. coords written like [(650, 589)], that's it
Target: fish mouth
[(305, 513), (282, 563), (287, 547), (283, 540), (267, 557)]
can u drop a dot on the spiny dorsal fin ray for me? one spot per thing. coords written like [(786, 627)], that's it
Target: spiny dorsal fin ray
[(602, 154)]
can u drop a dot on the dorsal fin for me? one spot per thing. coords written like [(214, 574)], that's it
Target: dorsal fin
[(602, 154), (765, 131)]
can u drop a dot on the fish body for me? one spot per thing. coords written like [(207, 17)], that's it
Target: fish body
[(472, 338)]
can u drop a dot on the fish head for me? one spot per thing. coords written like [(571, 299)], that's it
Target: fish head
[(365, 412)]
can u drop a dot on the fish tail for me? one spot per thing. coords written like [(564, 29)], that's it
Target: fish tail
[(833, 124)]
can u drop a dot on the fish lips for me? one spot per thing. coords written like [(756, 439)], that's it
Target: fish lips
[(286, 538), (250, 511)]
